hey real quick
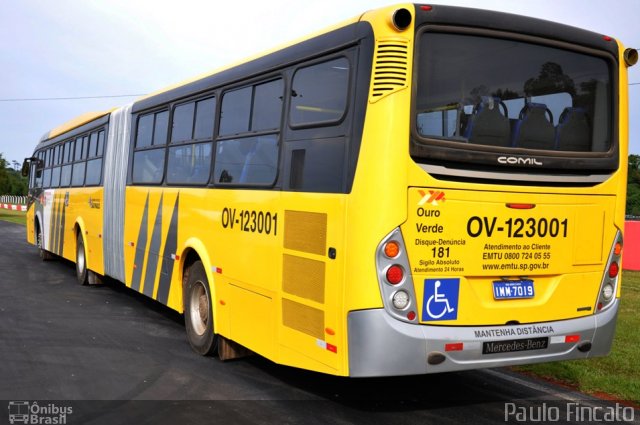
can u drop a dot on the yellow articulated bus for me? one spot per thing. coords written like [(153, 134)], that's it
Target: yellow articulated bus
[(420, 189)]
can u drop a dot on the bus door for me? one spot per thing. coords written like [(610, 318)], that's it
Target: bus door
[(315, 178)]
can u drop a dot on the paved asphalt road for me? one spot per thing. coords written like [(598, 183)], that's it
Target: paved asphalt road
[(113, 356)]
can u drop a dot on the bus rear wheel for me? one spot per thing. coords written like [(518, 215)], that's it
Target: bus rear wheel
[(81, 261), (198, 317)]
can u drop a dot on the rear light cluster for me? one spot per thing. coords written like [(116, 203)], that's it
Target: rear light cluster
[(395, 280), (611, 277)]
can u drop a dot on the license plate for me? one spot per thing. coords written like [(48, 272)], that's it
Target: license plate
[(512, 289), (497, 347)]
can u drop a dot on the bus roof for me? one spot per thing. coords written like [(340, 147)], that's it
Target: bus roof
[(180, 88), (74, 123), (90, 116)]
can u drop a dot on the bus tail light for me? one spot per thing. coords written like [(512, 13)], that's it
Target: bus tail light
[(570, 339), (394, 278), (521, 206), (617, 248), (611, 277), (607, 291), (391, 249), (394, 274), (400, 300), (456, 346)]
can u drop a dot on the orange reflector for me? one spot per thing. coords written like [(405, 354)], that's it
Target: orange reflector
[(329, 331), (618, 248), (391, 249), (458, 346), (223, 302), (572, 338), (521, 206)]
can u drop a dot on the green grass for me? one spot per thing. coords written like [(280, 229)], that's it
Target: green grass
[(13, 216), (618, 374)]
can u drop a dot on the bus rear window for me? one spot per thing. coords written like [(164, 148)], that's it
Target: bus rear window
[(503, 95)]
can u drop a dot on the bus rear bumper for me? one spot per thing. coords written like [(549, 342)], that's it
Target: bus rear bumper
[(380, 345)]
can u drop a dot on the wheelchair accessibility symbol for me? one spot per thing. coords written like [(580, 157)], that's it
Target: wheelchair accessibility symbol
[(440, 299)]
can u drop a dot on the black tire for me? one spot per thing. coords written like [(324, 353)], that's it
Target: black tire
[(198, 316), (44, 254), (81, 261)]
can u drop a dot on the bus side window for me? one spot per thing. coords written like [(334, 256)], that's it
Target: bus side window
[(46, 178), (319, 93), (235, 113), (39, 168), (148, 166), (249, 159), (315, 145), (190, 151), (189, 163), (94, 162), (150, 147)]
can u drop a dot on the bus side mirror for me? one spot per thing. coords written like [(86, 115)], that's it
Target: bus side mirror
[(25, 167)]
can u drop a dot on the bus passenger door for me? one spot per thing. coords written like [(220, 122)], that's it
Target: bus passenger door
[(316, 165)]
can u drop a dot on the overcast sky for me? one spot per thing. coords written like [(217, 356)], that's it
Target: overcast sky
[(75, 48)]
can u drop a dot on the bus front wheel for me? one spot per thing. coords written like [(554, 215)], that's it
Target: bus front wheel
[(81, 261), (44, 254), (198, 317)]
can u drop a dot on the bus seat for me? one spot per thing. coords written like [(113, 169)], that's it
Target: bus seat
[(534, 129), (573, 133), (487, 125)]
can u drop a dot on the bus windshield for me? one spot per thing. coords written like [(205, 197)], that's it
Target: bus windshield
[(507, 95)]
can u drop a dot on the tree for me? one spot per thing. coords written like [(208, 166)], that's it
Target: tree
[(551, 79), (3, 175), (11, 181)]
